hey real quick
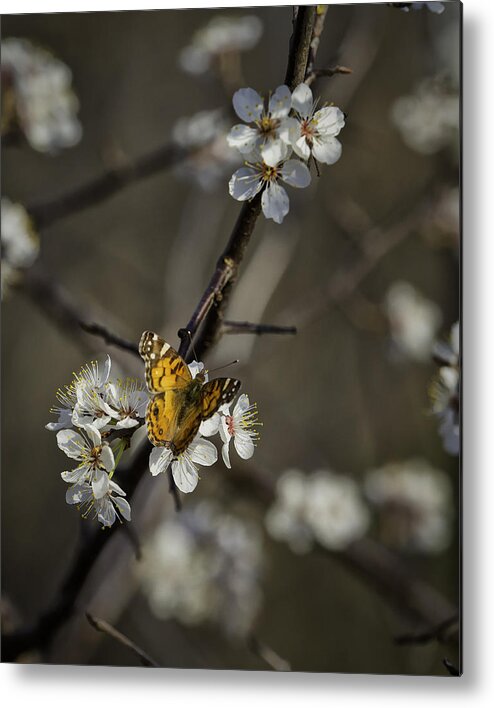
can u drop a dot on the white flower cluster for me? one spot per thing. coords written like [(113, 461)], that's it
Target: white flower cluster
[(268, 137), (210, 159), (322, 506), (204, 565), (97, 417), (445, 391), (20, 243), (429, 119), (414, 321), (223, 35), (239, 426), (37, 92), (415, 505), (412, 500)]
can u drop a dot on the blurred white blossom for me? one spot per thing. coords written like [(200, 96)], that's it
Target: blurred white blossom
[(414, 502), (222, 35), (257, 175), (445, 391), (322, 506), (210, 157), (428, 120), (204, 565), (436, 7), (311, 131), (20, 243), (414, 321), (37, 87)]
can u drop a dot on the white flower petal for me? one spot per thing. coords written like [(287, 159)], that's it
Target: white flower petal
[(302, 100), (248, 105), (159, 459), (274, 151), (106, 513), (106, 371), (244, 184), (329, 121), (123, 507), (280, 103), (195, 367), (241, 405), (100, 483), (243, 138), (106, 458), (327, 151), (225, 454), (71, 443), (78, 494), (275, 202), (64, 420), (224, 433), (115, 488), (210, 426), (296, 174), (127, 423), (301, 147), (185, 474), (244, 445), (75, 476), (93, 434), (203, 452), (289, 131)]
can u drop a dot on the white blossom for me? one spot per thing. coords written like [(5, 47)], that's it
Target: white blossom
[(445, 391), (91, 407), (20, 243), (436, 7), (222, 35), (311, 131), (40, 86), (106, 508), (266, 130), (204, 565), (184, 466), (239, 426), (94, 455), (128, 398), (428, 120), (415, 505), (414, 321), (209, 158), (257, 175), (323, 506)]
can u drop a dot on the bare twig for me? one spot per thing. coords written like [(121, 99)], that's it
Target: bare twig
[(98, 190), (231, 327), (330, 71), (268, 655), (103, 626), (100, 331), (442, 632)]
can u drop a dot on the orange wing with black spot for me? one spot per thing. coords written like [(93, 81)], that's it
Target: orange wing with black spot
[(165, 368)]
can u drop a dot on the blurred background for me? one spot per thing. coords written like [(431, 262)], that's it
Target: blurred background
[(366, 267)]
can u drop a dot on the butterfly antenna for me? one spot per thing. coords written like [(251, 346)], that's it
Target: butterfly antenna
[(192, 345), (224, 366)]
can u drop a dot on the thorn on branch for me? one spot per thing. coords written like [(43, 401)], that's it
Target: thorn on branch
[(232, 327), (102, 626)]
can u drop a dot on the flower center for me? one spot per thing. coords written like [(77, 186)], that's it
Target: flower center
[(308, 129), (269, 173), (267, 125), (230, 424)]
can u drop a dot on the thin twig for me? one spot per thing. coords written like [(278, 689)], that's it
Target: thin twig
[(268, 655), (452, 669), (103, 626), (330, 71), (440, 632), (98, 190), (109, 337), (232, 327)]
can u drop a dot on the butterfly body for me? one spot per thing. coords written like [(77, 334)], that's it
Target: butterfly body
[(180, 402)]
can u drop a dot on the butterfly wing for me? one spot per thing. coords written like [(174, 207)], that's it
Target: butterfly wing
[(171, 422), (165, 368), (217, 392)]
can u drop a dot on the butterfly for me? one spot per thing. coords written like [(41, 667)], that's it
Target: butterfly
[(180, 402)]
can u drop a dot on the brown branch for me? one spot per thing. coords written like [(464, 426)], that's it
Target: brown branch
[(98, 190), (330, 71), (232, 327), (209, 313), (102, 626)]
